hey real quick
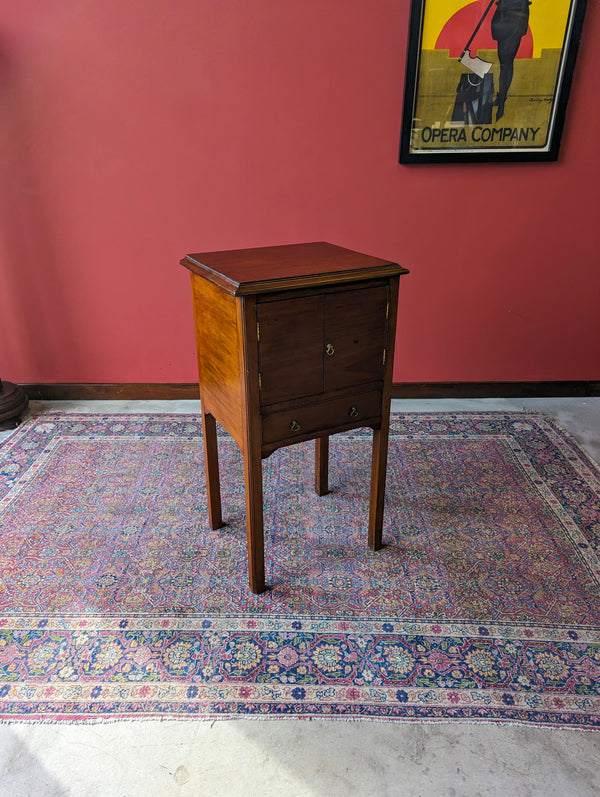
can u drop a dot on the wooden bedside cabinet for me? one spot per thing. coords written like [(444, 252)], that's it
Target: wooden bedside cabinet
[(294, 343)]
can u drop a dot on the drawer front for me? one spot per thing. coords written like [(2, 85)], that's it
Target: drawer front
[(321, 417)]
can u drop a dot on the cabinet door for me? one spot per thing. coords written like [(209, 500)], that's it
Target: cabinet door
[(290, 348), (355, 335)]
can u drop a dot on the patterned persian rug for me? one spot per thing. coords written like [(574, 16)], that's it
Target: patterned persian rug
[(118, 601)]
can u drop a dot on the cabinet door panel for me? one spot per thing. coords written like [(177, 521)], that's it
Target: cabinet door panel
[(290, 348), (355, 330)]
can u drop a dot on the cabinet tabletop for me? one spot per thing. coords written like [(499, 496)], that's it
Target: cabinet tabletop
[(274, 268)]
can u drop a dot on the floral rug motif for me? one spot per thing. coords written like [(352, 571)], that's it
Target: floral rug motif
[(118, 601)]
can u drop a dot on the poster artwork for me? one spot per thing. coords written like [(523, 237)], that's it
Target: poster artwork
[(488, 76)]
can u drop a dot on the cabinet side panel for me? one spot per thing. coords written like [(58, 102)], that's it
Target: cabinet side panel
[(219, 347)]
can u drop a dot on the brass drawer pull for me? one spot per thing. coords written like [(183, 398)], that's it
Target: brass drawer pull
[(330, 349), (353, 413), (295, 426)]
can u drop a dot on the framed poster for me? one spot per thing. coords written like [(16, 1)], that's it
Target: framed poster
[(488, 80)]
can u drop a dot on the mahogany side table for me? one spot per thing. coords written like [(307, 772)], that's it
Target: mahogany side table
[(294, 343)]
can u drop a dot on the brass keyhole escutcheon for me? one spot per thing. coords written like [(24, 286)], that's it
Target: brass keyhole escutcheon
[(330, 349), (295, 426), (353, 412)]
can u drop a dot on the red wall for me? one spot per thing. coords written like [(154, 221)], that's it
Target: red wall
[(133, 133)]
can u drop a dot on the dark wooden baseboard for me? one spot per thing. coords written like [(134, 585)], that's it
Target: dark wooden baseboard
[(153, 391), (458, 390), (411, 390)]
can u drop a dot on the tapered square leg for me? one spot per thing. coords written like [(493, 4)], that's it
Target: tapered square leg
[(254, 520), (211, 459), (378, 475), (322, 465)]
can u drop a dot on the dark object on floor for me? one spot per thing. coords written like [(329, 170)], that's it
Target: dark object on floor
[(13, 403)]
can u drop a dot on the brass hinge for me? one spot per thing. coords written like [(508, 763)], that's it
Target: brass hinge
[(257, 331), (259, 380), (387, 310), (384, 353)]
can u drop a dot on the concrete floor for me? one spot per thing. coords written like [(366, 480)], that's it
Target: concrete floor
[(307, 758)]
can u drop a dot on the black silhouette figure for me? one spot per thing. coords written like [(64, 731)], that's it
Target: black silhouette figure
[(509, 25)]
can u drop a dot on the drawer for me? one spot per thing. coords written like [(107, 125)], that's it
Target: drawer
[(321, 417)]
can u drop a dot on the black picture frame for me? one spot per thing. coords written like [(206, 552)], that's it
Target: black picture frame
[(450, 118)]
